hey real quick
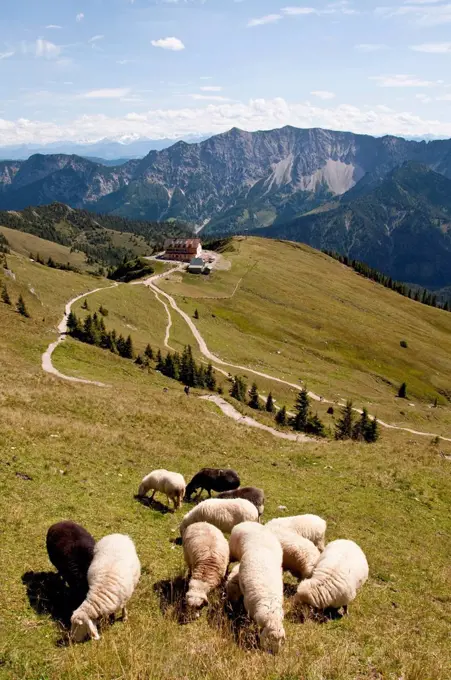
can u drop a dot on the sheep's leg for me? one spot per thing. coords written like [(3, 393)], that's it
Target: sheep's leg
[(124, 614), (154, 492), (199, 495), (345, 610), (209, 493)]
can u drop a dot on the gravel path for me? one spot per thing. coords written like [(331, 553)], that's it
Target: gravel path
[(230, 411)]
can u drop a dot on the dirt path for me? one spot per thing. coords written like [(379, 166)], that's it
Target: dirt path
[(231, 412), (47, 364), (216, 360)]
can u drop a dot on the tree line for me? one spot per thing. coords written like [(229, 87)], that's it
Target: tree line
[(50, 262), (418, 294), (304, 419), (183, 368)]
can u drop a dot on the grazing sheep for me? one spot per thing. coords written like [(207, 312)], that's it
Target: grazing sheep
[(242, 533), (170, 483), (341, 570), (206, 553), (233, 584), (308, 526), (261, 582), (112, 577), (212, 479), (250, 493), (223, 514), (299, 554), (70, 548)]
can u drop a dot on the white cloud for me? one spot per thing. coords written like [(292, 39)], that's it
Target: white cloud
[(256, 114), (96, 38), (433, 48), (173, 44), (401, 81), (211, 88), (444, 98), (267, 19), (47, 49), (6, 55), (209, 97), (370, 47), (106, 93), (79, 17), (323, 94), (423, 14), (293, 11), (53, 26), (424, 98)]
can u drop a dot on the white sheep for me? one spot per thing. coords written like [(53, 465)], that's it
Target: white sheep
[(233, 584), (299, 554), (341, 570), (112, 577), (224, 514), (308, 526), (260, 581), (170, 483), (206, 553), (241, 534)]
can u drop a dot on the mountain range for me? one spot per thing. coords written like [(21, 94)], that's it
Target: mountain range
[(287, 181)]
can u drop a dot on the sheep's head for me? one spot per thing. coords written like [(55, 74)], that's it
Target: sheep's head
[(83, 627), (272, 637), (196, 596)]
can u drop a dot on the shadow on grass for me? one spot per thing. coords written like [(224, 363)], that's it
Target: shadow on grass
[(306, 613), (155, 505), (172, 595), (48, 595), (232, 618)]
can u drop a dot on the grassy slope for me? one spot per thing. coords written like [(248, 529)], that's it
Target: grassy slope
[(87, 448), (297, 313), (24, 244)]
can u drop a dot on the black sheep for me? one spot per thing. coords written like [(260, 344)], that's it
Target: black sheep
[(211, 479), (70, 548), (250, 493)]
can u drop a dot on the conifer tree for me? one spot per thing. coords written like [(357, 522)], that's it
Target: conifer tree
[(239, 389), (254, 399), (5, 295), (128, 352), (343, 428), (103, 311), (269, 404), (196, 314), (149, 352), (372, 433), (210, 380), (72, 323), (315, 426), (402, 392), (139, 360), (160, 363), (281, 416), (120, 343), (360, 429), (21, 307), (169, 369), (85, 305), (302, 410)]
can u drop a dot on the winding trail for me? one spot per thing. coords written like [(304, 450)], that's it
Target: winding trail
[(47, 364), (230, 411), (216, 360)]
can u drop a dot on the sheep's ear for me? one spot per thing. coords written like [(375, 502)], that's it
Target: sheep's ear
[(93, 630)]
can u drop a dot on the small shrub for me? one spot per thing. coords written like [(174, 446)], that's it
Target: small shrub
[(403, 344), (402, 392), (21, 307)]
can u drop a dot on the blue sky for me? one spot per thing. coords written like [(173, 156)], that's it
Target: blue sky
[(82, 70)]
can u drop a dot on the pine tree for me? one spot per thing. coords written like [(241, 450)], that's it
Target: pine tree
[(72, 323), (402, 392), (85, 305), (269, 404), (302, 410), (51, 263), (103, 311), (128, 352), (196, 314), (5, 295), (343, 428), (281, 416), (21, 307), (210, 380), (160, 364), (120, 343), (149, 352), (169, 369), (360, 429), (315, 426), (372, 433), (139, 360), (239, 389), (254, 399)]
